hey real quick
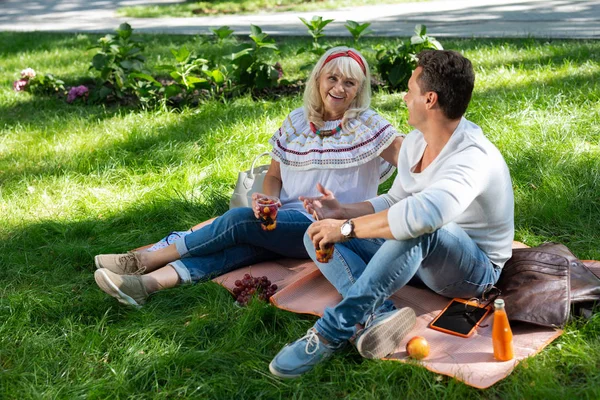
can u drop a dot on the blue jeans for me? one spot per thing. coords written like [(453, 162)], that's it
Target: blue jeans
[(367, 272), (235, 240)]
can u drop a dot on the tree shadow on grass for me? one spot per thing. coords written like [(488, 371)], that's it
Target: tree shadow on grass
[(31, 42), (562, 95), (554, 51), (144, 143), (42, 112), (581, 83), (57, 257), (556, 198)]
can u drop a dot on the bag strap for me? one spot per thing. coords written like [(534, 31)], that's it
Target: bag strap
[(251, 173)]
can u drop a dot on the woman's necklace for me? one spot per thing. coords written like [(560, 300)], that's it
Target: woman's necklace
[(325, 133)]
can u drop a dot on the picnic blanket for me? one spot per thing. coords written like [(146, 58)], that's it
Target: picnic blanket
[(303, 289)]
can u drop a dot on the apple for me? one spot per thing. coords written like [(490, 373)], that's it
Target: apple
[(417, 348)]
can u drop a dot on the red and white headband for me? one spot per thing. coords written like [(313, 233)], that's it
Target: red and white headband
[(348, 53)]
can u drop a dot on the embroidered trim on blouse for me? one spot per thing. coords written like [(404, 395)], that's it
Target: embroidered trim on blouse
[(297, 147)]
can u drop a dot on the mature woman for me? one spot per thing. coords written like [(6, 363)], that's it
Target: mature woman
[(334, 140)]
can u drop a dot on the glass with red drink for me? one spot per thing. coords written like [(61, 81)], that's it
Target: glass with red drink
[(268, 207)]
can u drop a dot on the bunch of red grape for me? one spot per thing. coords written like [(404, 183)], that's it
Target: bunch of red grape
[(249, 286)]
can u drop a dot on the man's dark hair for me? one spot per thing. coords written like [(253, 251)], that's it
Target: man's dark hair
[(451, 76)]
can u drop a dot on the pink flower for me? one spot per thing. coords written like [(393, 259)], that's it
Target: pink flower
[(28, 73), (76, 92), (20, 85)]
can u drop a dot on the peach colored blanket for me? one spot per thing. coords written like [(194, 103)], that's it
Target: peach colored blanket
[(303, 289)]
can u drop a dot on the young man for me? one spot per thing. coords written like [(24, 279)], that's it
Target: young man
[(447, 220)]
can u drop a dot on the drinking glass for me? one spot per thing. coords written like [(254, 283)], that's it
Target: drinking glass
[(269, 205)]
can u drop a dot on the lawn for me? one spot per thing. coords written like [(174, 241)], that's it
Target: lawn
[(194, 8), (78, 180)]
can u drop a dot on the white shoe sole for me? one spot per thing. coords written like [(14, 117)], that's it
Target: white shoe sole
[(280, 374), (381, 340), (98, 266), (109, 287)]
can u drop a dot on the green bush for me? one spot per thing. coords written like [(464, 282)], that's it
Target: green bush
[(357, 30), (315, 29), (250, 70), (219, 72), (120, 56), (46, 84), (396, 65)]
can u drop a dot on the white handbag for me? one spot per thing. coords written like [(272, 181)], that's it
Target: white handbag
[(248, 182)]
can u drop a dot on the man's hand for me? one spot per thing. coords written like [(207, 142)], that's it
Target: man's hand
[(325, 206), (325, 232)]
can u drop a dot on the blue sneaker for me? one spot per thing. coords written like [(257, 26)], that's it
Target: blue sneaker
[(383, 333), (301, 356)]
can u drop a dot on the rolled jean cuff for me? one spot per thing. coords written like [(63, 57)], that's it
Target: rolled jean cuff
[(321, 331), (182, 271), (181, 247)]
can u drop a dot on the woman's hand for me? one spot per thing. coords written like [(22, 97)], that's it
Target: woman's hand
[(325, 206), (325, 232), (256, 207)]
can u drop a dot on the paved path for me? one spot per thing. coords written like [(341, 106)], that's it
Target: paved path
[(454, 18)]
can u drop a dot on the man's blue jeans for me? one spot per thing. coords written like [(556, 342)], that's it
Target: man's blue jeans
[(367, 271), (235, 240)]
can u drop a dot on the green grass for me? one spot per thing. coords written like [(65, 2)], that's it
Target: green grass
[(192, 8), (79, 180)]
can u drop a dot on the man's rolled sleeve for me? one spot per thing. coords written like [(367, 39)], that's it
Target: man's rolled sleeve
[(381, 203)]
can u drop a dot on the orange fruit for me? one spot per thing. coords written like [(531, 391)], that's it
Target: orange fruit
[(266, 210), (417, 348)]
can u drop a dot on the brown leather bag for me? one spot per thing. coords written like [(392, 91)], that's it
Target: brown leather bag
[(546, 284)]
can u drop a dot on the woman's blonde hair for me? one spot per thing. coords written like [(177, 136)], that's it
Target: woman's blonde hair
[(349, 68)]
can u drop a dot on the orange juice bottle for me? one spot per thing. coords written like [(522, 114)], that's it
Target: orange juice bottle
[(502, 337)]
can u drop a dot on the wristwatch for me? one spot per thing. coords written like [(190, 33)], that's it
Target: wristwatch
[(347, 229)]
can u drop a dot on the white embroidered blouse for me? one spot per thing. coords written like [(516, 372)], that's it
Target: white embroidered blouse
[(348, 162)]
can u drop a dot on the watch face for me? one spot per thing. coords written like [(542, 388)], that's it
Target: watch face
[(346, 228)]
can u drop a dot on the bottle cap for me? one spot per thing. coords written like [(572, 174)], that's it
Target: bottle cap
[(499, 303)]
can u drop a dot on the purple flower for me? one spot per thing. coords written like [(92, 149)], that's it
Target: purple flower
[(20, 85), (76, 92), (28, 73)]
